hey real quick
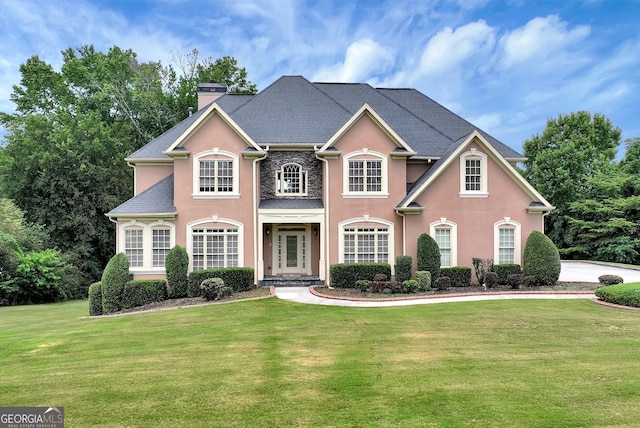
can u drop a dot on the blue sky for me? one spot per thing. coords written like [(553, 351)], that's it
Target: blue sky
[(506, 66)]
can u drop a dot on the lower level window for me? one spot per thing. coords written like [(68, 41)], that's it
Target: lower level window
[(215, 248), (161, 241), (506, 246), (443, 239), (133, 247), (366, 244)]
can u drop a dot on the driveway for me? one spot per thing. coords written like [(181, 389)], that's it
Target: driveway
[(589, 272)]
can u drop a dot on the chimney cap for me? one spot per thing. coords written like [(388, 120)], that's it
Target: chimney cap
[(212, 86)]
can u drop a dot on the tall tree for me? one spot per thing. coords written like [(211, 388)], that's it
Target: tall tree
[(63, 163), (560, 162)]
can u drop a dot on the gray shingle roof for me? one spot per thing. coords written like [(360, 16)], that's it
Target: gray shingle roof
[(157, 199), (293, 111)]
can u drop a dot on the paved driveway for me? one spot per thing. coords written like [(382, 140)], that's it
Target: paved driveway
[(589, 272)]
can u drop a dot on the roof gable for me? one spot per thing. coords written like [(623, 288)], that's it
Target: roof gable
[(156, 201)]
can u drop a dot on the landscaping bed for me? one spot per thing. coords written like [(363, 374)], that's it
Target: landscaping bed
[(571, 287)]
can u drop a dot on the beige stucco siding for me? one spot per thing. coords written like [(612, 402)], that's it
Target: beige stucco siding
[(146, 175), (214, 136), (474, 217)]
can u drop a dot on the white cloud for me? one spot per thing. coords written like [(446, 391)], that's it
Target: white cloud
[(541, 39), (363, 60), (449, 49)]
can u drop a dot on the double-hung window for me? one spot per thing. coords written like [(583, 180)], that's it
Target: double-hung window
[(506, 239), (443, 239), (133, 246), (215, 175), (445, 233), (365, 175), (214, 248), (161, 244), (473, 174), (366, 244)]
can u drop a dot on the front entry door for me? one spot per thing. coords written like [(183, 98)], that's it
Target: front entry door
[(291, 251)]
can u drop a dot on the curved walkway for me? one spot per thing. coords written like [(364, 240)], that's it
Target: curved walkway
[(571, 271)]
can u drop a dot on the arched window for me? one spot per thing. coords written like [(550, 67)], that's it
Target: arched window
[(291, 180), (506, 241), (473, 174), (215, 243), (215, 175), (445, 233), (365, 239), (365, 175), (146, 244)]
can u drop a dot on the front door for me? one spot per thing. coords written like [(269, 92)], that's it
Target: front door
[(291, 252)]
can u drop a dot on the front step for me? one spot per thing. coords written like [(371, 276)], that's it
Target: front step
[(291, 281)]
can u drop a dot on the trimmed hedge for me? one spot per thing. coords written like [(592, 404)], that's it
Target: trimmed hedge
[(239, 279), (177, 267), (424, 280), (428, 257), (144, 291), (115, 276), (503, 272), (460, 276), (443, 283), (95, 299), (621, 294), (541, 259), (610, 279), (403, 268), (345, 275)]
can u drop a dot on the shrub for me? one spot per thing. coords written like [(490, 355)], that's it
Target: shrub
[(481, 267), (115, 276), (443, 283), (424, 280), (410, 286), (403, 268), (491, 280), (239, 279), (95, 299), (428, 257), (610, 279), (363, 285), (503, 271), (177, 267), (529, 281), (541, 259), (621, 294), (214, 289), (345, 275), (460, 276), (143, 292), (514, 280)]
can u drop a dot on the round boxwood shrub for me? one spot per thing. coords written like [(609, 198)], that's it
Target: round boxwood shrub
[(428, 255), (403, 268), (610, 279), (214, 289), (177, 267), (95, 299), (115, 276), (443, 283), (541, 259), (424, 280)]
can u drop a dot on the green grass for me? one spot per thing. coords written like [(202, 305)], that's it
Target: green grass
[(271, 363)]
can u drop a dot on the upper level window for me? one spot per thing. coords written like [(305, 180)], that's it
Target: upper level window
[(215, 175), (473, 174), (365, 175), (291, 180)]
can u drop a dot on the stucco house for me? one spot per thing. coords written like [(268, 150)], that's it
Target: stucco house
[(304, 175)]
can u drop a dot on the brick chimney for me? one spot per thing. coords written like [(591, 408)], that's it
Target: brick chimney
[(209, 92)]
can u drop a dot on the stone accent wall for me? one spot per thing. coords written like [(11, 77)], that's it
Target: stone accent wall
[(274, 161)]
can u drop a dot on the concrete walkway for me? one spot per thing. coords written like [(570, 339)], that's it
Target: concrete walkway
[(571, 271)]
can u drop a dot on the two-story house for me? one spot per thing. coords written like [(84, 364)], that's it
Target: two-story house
[(304, 175)]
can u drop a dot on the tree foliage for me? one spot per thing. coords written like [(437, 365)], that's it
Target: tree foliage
[(63, 161), (561, 161)]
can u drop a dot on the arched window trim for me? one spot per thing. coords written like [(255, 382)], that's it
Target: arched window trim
[(301, 178), (365, 155), (147, 242), (507, 223), (474, 155), (443, 223), (216, 155), (216, 222), (367, 222)]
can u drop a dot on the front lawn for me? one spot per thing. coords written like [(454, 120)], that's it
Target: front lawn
[(276, 363)]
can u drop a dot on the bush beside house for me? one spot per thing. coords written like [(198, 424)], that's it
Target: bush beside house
[(345, 275), (177, 267), (428, 257), (115, 276), (239, 279), (541, 259), (95, 299)]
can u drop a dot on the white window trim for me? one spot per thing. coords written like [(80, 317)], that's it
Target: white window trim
[(365, 155), (367, 221), (216, 154), (147, 242), (443, 223), (470, 155), (211, 222), (517, 239), (302, 176)]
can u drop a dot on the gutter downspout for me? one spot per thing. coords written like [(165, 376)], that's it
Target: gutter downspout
[(257, 238), (324, 243)]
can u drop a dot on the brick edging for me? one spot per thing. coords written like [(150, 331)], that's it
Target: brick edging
[(313, 291), (614, 305)]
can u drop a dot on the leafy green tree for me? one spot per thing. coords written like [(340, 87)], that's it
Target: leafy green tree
[(63, 161), (572, 149)]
